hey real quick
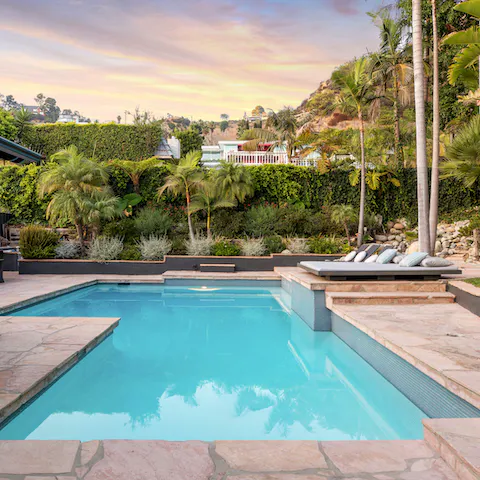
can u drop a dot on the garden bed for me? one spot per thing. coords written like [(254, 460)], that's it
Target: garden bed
[(467, 294), (171, 262)]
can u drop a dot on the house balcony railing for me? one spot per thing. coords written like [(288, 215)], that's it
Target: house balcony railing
[(266, 158)]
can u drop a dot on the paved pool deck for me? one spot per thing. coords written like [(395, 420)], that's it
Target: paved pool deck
[(443, 340)]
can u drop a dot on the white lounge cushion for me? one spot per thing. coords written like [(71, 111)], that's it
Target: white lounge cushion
[(360, 257), (371, 259), (387, 256), (413, 259), (350, 256), (435, 262)]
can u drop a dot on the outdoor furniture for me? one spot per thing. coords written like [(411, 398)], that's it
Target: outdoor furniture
[(371, 271)]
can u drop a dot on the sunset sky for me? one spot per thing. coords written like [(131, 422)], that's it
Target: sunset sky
[(196, 58)]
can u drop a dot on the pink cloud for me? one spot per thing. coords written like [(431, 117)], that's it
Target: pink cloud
[(346, 7)]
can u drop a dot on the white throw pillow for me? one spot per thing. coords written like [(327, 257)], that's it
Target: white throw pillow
[(350, 256), (371, 259), (436, 262), (413, 259), (360, 257)]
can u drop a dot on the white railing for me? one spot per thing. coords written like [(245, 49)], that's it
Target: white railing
[(257, 158)]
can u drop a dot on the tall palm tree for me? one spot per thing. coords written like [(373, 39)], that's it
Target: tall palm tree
[(435, 134), (208, 198), (355, 85), (73, 180), (391, 65), (463, 162), (422, 166), (183, 179), (235, 180), (135, 169)]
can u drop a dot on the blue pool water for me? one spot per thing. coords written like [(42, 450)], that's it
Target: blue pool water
[(210, 364)]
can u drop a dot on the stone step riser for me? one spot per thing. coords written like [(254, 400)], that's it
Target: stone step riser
[(392, 301), (388, 288)]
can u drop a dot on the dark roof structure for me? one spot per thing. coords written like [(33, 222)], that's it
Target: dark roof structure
[(13, 152)]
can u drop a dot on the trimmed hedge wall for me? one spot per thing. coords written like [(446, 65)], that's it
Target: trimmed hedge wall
[(277, 184), (103, 141)]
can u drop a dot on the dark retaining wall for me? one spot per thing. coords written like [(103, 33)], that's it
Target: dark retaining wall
[(465, 299), (117, 267)]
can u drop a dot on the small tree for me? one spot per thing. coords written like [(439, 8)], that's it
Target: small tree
[(234, 180), (135, 169), (183, 180), (344, 215)]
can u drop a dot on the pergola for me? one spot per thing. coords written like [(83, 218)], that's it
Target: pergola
[(15, 153)]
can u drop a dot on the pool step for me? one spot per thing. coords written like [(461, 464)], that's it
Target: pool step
[(457, 441), (381, 298), (387, 286), (217, 267)]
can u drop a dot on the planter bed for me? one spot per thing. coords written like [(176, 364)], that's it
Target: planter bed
[(171, 262), (466, 295)]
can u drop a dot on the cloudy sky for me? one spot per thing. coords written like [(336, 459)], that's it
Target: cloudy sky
[(196, 58)]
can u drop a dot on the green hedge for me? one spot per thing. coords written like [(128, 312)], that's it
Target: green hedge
[(102, 141), (276, 184)]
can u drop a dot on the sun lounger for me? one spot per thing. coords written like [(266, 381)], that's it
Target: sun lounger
[(389, 271)]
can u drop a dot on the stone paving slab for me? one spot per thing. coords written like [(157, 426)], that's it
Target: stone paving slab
[(242, 460), (35, 351), (442, 341)]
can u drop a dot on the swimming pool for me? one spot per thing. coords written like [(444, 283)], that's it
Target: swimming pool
[(211, 363)]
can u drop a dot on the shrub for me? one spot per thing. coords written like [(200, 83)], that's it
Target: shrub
[(68, 249), (199, 246), (224, 248), (151, 221), (261, 220), (38, 242), (293, 219), (325, 245), (130, 252), (179, 246), (467, 231), (298, 245), (154, 248), (274, 244), (253, 247), (124, 228), (105, 248), (228, 222)]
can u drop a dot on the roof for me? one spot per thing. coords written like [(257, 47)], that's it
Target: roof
[(164, 150), (16, 153)]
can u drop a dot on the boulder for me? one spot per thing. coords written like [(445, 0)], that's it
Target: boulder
[(399, 226), (391, 237), (438, 246), (414, 247), (390, 225), (381, 238), (398, 238), (286, 252)]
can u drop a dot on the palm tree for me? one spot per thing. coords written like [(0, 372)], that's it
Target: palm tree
[(463, 160), (422, 166), (73, 180), (355, 93), (376, 178), (101, 205), (435, 133), (281, 133), (135, 169), (208, 198), (235, 180), (22, 119), (183, 180), (344, 215), (465, 63), (391, 65)]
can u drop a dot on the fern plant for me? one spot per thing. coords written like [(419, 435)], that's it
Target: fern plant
[(38, 242)]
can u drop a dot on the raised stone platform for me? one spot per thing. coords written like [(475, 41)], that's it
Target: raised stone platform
[(35, 351), (223, 460)]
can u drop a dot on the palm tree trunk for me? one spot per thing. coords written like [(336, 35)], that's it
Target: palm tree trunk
[(422, 169), (361, 217), (209, 220), (347, 233), (79, 227), (189, 217), (396, 120), (436, 134)]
